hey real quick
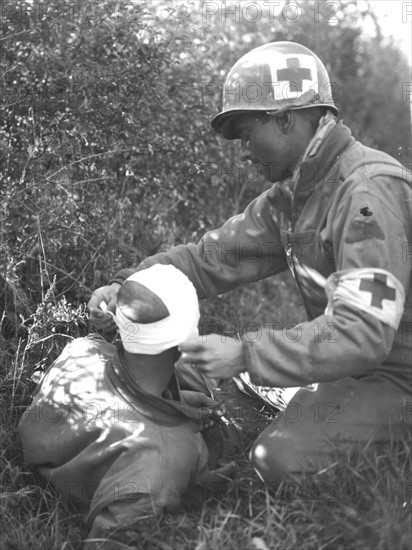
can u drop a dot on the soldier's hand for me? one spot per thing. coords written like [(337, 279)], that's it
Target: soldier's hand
[(214, 355), (103, 299), (212, 411)]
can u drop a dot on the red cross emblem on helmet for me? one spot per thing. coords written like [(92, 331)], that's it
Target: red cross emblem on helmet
[(274, 77)]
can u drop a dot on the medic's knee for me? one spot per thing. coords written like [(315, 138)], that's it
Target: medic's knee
[(270, 459)]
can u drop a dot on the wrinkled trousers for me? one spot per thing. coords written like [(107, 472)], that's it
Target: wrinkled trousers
[(338, 417)]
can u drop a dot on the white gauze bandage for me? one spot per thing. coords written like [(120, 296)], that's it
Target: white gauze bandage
[(179, 296)]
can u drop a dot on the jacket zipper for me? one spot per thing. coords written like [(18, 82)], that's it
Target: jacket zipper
[(295, 275)]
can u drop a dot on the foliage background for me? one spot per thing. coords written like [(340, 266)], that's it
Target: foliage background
[(107, 154)]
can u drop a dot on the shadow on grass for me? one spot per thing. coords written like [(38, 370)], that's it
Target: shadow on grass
[(361, 502)]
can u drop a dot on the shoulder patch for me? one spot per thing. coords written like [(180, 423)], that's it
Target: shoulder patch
[(364, 227)]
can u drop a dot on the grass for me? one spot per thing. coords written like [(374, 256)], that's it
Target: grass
[(361, 502)]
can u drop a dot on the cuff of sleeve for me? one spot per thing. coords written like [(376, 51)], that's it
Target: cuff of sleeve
[(123, 274), (250, 361)]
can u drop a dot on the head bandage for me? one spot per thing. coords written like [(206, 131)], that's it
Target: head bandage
[(179, 296)]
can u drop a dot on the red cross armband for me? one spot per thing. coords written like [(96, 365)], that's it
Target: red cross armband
[(373, 290)]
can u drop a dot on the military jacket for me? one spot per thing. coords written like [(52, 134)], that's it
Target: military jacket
[(101, 440), (345, 234)]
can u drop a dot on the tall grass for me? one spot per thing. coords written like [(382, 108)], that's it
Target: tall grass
[(360, 502)]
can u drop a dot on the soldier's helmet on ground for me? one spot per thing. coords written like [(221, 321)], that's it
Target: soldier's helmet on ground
[(271, 78)]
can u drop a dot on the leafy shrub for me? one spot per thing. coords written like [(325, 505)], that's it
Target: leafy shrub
[(107, 152)]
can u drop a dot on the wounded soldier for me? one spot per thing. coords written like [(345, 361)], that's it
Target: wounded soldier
[(107, 425)]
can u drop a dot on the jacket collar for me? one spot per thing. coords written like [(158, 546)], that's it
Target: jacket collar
[(316, 167), (319, 164), (165, 410)]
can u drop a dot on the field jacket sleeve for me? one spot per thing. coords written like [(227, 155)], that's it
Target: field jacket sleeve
[(368, 227), (246, 248)]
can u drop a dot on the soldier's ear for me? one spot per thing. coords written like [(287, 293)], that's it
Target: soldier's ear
[(285, 121)]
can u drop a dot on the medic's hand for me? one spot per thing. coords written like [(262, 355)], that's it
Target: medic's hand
[(98, 314), (214, 355), (212, 411)]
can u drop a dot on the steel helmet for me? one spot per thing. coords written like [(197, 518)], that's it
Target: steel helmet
[(274, 77)]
